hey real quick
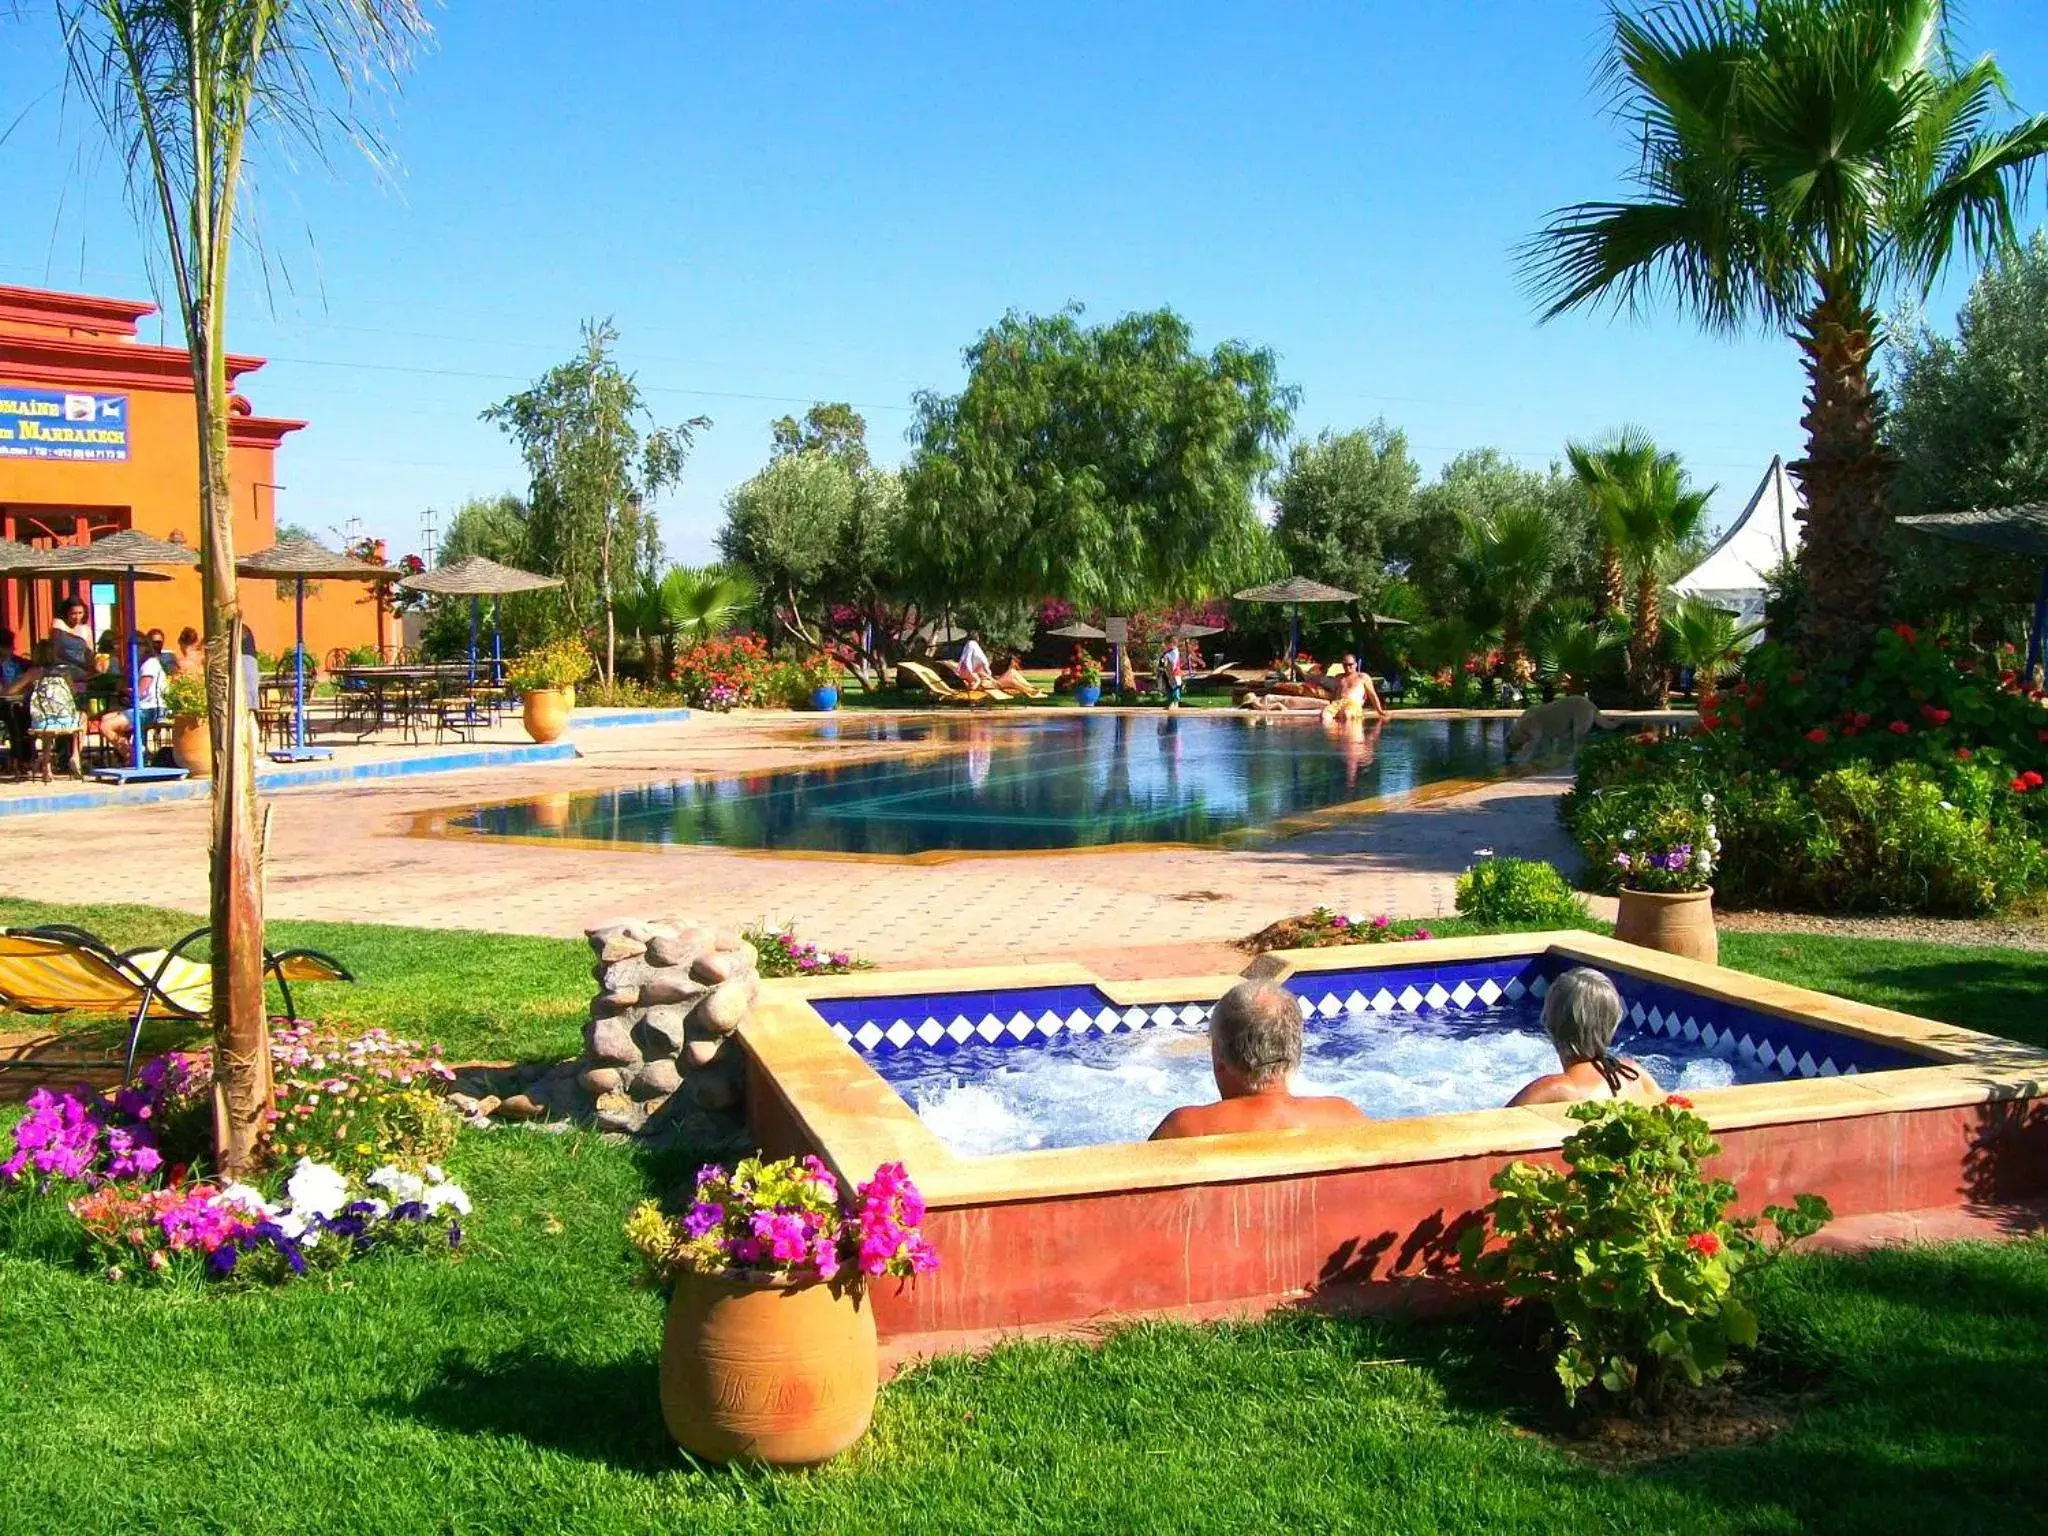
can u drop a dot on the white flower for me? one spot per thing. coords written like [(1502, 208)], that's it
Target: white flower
[(1947, 805), (1482, 853), (448, 1197), (435, 1175), (403, 1187), (1629, 835), (243, 1198), (1706, 799), (315, 1189), (1712, 832)]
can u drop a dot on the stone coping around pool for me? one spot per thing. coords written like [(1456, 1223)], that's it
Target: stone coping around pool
[(829, 1093)]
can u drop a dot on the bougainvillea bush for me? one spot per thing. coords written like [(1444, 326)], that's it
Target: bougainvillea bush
[(729, 672), (1919, 788), (786, 1222), (1630, 1250)]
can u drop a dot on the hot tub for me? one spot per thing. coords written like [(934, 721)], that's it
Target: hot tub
[(1875, 1110)]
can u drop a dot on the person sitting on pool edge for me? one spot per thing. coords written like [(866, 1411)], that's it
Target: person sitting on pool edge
[(1254, 1049), (1581, 1014)]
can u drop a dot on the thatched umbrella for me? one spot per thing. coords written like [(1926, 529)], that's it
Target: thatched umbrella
[(1295, 590), (21, 559), (127, 557), (1196, 631), (300, 560), (477, 578), (1079, 630), (2017, 530)]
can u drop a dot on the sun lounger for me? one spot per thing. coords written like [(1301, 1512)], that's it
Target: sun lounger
[(62, 969), (937, 686)]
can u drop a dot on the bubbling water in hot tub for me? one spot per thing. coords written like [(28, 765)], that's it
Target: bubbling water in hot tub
[(1081, 1091)]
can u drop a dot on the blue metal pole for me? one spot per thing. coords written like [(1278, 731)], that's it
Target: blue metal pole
[(134, 669), (2035, 637), (1294, 638), (474, 604), (299, 669), (497, 648)]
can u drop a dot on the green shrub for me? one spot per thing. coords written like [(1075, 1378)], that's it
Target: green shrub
[(1515, 892), (1629, 1248)]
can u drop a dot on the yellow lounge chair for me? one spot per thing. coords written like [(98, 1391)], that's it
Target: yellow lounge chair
[(937, 686), (62, 969)]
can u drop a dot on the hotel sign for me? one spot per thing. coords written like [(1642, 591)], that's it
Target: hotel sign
[(60, 424)]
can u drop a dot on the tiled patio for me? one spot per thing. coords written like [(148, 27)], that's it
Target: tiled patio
[(348, 852)]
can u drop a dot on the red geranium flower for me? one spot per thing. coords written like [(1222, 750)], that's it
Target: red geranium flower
[(1678, 1101), (1899, 728), (1936, 716), (1862, 720), (1704, 1243), (2033, 779), (1818, 735), (1962, 754), (2020, 785), (1905, 633), (1796, 677)]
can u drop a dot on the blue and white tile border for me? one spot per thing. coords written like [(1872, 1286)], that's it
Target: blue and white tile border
[(941, 1023)]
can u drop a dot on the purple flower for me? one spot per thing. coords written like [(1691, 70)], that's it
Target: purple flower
[(704, 1217)]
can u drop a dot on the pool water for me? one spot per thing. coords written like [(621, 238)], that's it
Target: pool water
[(1093, 1089), (1079, 780)]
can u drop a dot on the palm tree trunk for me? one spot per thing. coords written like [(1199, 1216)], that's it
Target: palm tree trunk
[(241, 1027), (1612, 598), (1845, 477), (1646, 671), (1511, 648)]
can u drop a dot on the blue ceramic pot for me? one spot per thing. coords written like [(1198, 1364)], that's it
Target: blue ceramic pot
[(1088, 695), (826, 698)]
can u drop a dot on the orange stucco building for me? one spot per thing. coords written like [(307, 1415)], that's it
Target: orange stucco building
[(98, 433)]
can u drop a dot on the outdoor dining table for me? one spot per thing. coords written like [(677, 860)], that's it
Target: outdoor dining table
[(396, 689)]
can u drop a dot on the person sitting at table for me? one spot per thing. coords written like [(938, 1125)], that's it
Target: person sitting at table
[(53, 716), (1254, 1051), (191, 651), (1581, 1013), (164, 653), (71, 634), (13, 712), (119, 725)]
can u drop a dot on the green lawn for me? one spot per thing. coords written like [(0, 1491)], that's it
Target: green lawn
[(512, 1388)]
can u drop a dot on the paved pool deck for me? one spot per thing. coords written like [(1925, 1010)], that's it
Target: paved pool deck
[(349, 851)]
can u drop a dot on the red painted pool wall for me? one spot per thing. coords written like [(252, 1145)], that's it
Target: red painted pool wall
[(1365, 1237)]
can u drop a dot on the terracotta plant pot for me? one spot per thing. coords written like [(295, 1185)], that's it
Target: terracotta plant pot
[(191, 746), (545, 712), (783, 1375), (1676, 922)]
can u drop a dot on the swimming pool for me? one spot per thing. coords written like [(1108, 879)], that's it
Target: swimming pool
[(974, 784)]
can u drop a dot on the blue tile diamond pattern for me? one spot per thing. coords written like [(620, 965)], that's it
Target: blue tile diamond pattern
[(941, 1023)]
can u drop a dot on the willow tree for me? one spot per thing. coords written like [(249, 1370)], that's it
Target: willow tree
[(191, 92), (1799, 160), (1111, 465)]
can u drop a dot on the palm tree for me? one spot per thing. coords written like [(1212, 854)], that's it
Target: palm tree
[(1653, 516), (707, 600), (1707, 639), (1625, 457), (1570, 642), (186, 92), (1511, 553), (1800, 159)]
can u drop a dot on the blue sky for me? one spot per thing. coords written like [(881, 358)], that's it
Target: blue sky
[(796, 201)]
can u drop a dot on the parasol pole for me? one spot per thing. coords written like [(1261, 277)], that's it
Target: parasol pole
[(497, 649), (2035, 637), (475, 603), (134, 667), (299, 665)]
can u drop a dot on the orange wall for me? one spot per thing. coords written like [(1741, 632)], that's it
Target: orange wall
[(156, 489)]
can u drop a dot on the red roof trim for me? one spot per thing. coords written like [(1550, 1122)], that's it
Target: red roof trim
[(260, 431), (104, 364), (42, 306)]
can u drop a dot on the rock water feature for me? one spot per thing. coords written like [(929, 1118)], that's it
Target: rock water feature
[(658, 1057)]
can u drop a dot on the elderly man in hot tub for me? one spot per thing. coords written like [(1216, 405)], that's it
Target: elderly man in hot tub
[(1255, 1048)]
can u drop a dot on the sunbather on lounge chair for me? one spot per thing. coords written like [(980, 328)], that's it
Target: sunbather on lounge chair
[(1012, 683)]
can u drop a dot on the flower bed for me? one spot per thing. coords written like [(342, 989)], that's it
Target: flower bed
[(782, 953), (1325, 929)]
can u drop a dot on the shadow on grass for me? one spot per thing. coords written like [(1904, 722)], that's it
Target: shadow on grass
[(608, 1413), (1996, 994)]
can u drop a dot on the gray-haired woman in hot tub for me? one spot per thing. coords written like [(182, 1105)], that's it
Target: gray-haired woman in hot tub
[(1582, 1011)]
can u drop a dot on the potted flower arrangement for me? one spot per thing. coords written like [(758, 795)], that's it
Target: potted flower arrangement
[(1667, 899), (820, 680), (185, 703), (546, 678), (1087, 680), (769, 1352)]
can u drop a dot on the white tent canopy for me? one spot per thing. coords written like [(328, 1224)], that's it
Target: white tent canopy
[(1756, 543)]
